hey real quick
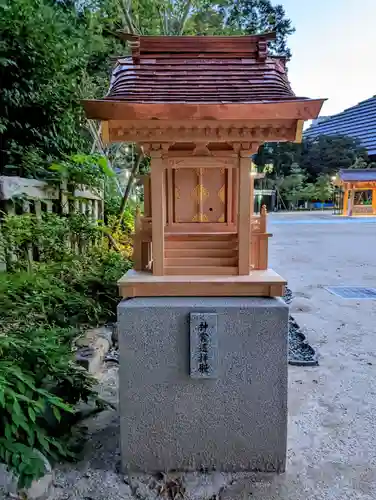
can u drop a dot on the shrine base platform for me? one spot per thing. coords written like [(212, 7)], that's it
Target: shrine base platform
[(257, 284), (229, 416)]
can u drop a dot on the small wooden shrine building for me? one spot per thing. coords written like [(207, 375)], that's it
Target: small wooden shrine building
[(358, 192), (200, 106)]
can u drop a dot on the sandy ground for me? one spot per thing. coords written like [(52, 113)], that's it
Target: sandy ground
[(332, 407)]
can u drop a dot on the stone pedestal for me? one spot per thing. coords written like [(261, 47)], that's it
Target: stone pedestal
[(233, 420)]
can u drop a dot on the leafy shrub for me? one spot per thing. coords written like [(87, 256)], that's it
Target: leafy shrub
[(41, 306), (49, 238), (77, 290), (43, 302), (37, 377)]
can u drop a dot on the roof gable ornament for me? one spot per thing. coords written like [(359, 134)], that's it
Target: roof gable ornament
[(262, 51), (247, 46)]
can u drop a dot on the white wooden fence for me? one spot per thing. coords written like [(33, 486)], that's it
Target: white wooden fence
[(39, 196), (20, 196)]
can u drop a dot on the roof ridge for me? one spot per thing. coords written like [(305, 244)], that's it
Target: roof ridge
[(176, 46)]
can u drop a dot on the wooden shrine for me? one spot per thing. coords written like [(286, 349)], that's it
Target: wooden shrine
[(358, 187), (200, 107)]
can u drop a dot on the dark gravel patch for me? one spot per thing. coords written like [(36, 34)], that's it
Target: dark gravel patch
[(288, 296), (300, 352)]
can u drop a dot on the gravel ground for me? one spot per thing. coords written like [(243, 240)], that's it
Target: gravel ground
[(332, 414)]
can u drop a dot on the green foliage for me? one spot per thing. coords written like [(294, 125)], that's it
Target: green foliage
[(77, 290), (37, 376), (203, 17), (324, 155), (51, 234), (253, 16), (359, 163), (308, 192), (318, 160), (51, 58), (323, 188), (292, 185), (42, 305), (80, 169)]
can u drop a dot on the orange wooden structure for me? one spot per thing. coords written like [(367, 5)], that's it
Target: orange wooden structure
[(359, 191), (200, 107)]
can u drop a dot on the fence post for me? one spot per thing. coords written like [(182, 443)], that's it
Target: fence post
[(64, 197)]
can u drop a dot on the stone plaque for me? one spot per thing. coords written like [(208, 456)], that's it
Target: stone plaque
[(203, 345)]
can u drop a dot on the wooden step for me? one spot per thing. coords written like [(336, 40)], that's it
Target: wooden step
[(200, 244), (200, 252), (201, 271), (200, 236), (201, 261)]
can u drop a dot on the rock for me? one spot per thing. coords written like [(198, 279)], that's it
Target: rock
[(205, 486), (93, 347), (40, 489), (143, 487), (112, 327)]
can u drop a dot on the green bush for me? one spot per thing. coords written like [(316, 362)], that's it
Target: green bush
[(77, 290), (43, 306), (38, 377), (40, 311), (50, 237)]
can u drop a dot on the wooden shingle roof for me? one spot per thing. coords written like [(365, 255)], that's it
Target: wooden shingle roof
[(201, 77), (200, 69)]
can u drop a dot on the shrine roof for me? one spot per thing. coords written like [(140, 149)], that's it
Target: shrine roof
[(357, 175), (202, 70)]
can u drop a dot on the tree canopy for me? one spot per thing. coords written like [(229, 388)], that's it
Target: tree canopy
[(50, 59), (56, 52), (324, 155)]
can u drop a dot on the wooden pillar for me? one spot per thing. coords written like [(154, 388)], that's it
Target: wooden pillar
[(158, 203), (170, 197), (229, 193), (252, 195), (374, 201), (345, 201), (351, 202), (244, 214)]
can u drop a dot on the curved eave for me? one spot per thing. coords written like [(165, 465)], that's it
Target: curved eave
[(305, 109)]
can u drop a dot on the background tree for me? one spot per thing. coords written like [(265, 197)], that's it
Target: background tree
[(308, 192), (257, 16), (204, 17), (328, 154), (292, 185), (51, 58), (323, 188), (324, 155), (360, 163)]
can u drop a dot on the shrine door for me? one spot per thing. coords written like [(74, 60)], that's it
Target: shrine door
[(200, 195)]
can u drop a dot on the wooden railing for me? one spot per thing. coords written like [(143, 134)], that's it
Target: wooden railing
[(142, 256), (143, 242), (362, 209), (259, 241)]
